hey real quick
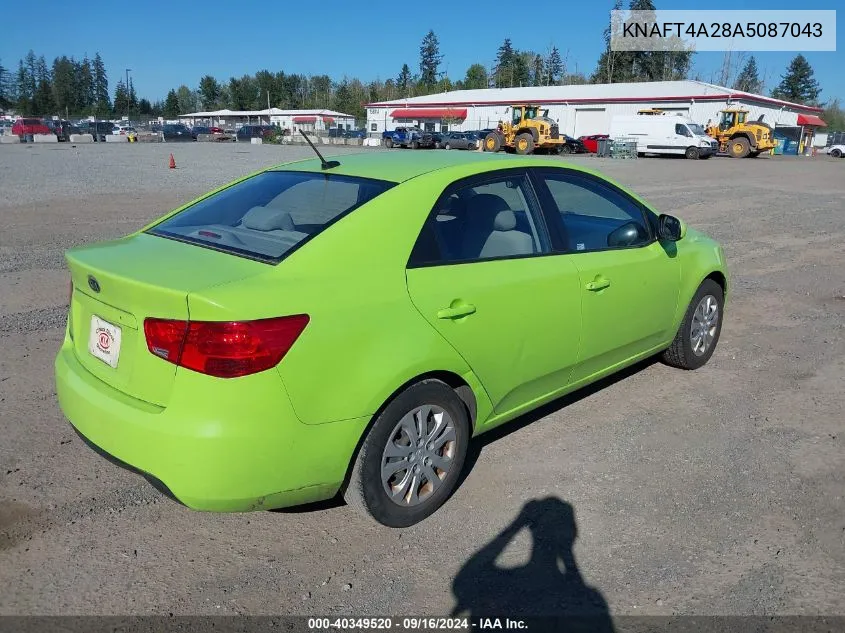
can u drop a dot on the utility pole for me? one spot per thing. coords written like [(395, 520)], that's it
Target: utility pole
[(128, 70)]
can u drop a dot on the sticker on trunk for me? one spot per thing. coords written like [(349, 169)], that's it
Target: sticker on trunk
[(104, 341)]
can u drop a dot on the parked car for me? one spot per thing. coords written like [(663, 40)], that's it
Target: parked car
[(461, 140), (572, 145), (176, 133), (27, 128), (198, 368), (591, 142), (98, 129), (199, 129), (123, 129), (247, 132), (439, 139), (412, 137), (355, 134), (837, 151), (61, 128), (670, 135)]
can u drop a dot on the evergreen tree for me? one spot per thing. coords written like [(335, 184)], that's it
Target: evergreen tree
[(43, 101), (538, 71), (101, 103), (403, 82), (83, 86), (64, 84), (210, 92), (7, 87), (132, 97), (505, 61), (145, 107), (476, 77), (798, 84), (187, 100), (121, 98), (748, 79), (612, 66), (430, 59), (23, 90), (170, 109), (554, 67)]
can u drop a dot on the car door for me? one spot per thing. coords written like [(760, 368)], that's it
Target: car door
[(629, 281), (484, 276)]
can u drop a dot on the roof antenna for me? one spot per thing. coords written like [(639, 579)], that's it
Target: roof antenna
[(325, 164)]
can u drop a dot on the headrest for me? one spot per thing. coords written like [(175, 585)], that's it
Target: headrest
[(505, 221), (268, 219)]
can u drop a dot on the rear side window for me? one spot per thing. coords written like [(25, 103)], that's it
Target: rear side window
[(269, 215)]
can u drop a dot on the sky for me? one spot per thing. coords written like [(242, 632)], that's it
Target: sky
[(165, 46)]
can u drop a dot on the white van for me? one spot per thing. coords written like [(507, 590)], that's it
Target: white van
[(665, 134)]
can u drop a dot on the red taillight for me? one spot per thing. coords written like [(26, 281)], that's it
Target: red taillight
[(225, 349)]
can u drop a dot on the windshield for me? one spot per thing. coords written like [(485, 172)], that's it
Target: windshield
[(268, 216), (696, 129)]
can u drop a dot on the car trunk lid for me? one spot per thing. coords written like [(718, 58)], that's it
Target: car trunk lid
[(116, 285)]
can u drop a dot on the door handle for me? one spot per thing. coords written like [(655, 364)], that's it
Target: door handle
[(456, 312), (599, 283)]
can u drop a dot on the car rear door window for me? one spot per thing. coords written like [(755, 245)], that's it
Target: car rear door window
[(268, 216), (593, 216), (487, 219)]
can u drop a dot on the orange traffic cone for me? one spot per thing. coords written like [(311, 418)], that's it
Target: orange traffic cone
[(172, 162)]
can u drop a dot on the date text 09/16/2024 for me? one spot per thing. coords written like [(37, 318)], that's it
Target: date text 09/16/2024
[(414, 624)]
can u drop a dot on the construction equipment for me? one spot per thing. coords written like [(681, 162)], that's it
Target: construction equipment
[(651, 112), (529, 130), (740, 138)]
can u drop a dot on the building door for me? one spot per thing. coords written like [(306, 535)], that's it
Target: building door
[(590, 121)]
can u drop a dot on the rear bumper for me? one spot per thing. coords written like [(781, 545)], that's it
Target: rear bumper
[(219, 445)]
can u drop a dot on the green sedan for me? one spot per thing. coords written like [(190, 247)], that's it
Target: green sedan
[(322, 328)]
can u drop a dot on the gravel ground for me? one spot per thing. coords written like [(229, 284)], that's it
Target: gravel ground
[(713, 492)]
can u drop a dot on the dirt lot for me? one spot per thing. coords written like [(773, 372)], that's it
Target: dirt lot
[(719, 491)]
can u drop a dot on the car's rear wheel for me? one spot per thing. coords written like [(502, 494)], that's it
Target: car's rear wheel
[(411, 458), (836, 153), (699, 332), (565, 149), (447, 146)]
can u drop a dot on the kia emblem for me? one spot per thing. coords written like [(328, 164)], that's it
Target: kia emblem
[(93, 283)]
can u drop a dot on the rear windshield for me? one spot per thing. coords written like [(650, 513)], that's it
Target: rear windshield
[(268, 216)]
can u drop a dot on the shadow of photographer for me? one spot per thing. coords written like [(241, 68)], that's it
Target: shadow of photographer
[(550, 584)]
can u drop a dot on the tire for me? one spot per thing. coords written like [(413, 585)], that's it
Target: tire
[(524, 144), (692, 153), (415, 144), (681, 352), (739, 147), (447, 146), (492, 142), (388, 143), (837, 153), (366, 491), (565, 149)]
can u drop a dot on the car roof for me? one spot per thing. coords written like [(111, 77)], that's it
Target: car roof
[(399, 166)]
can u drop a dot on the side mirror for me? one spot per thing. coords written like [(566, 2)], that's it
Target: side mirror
[(628, 234), (670, 228)]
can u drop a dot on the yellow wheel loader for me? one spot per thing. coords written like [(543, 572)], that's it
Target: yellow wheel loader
[(528, 131), (739, 137)]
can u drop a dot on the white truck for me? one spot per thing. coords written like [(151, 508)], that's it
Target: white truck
[(665, 134)]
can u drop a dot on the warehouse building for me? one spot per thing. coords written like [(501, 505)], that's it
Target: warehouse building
[(309, 120), (581, 110)]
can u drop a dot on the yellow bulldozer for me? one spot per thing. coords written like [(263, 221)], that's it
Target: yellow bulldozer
[(739, 137), (529, 130)]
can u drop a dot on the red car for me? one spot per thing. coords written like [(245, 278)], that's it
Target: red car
[(591, 142), (27, 127)]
